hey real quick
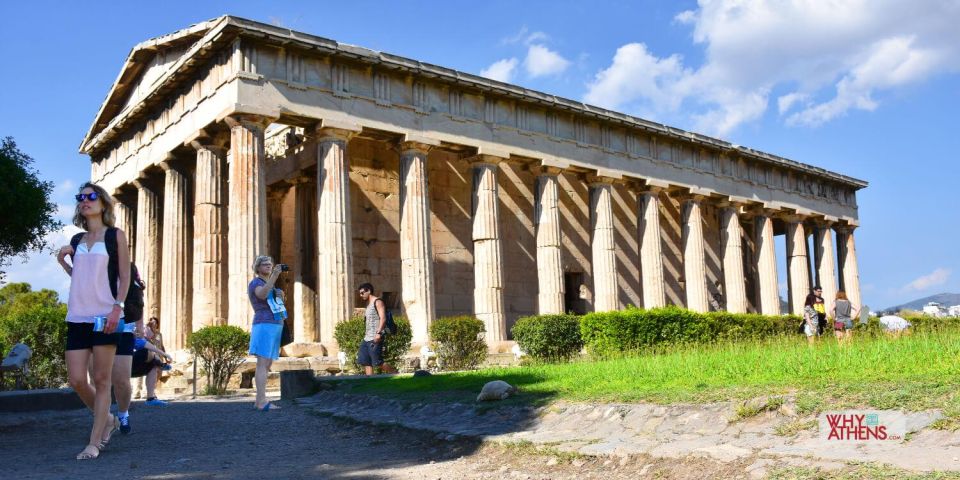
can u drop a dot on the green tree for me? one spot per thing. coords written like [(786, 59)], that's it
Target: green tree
[(36, 319), (28, 212)]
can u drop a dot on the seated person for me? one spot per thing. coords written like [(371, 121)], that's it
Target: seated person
[(146, 362)]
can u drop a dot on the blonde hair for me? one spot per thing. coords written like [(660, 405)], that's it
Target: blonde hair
[(108, 215), (260, 260)]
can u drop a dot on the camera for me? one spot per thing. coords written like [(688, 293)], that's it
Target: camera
[(284, 267)]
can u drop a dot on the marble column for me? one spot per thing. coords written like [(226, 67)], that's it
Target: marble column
[(487, 250), (124, 222), (651, 255), (550, 291), (798, 264), (734, 279), (694, 261), (306, 328), (849, 271), (335, 288), (175, 277), (825, 263), (246, 212), (416, 248), (767, 266), (603, 247), (209, 237), (148, 246)]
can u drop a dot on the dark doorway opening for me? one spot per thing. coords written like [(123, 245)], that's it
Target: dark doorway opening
[(572, 303)]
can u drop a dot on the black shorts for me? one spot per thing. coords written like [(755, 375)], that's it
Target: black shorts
[(370, 354), (80, 336), (125, 347), (141, 366)]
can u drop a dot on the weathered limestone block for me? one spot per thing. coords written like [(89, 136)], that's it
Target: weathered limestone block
[(734, 284), (798, 265), (176, 291), (148, 245), (767, 266), (246, 212), (549, 244), (603, 248), (334, 240), (694, 263), (651, 256), (487, 254), (209, 238), (416, 254)]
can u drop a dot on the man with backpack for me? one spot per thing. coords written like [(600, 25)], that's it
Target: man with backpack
[(379, 324), (123, 361)]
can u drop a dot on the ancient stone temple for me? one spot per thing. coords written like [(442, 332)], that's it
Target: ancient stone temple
[(451, 193)]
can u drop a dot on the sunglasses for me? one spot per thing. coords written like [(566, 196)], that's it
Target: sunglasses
[(92, 196)]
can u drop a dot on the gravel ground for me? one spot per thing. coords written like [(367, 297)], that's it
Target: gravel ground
[(226, 438)]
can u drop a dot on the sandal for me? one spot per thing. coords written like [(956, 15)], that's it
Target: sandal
[(106, 441), (86, 454)]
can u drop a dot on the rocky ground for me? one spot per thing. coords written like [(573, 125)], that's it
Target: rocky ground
[(226, 438)]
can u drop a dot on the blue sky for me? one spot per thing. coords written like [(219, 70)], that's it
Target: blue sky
[(868, 89)]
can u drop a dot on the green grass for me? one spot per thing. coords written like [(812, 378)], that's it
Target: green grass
[(859, 472), (914, 373)]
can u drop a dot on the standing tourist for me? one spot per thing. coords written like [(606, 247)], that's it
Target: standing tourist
[(94, 308), (821, 309), (375, 316), (843, 313), (811, 320), (268, 315), (123, 362)]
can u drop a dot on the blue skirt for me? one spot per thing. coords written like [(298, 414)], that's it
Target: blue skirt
[(265, 340)]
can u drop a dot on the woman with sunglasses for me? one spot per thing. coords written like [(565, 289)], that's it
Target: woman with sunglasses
[(97, 287)]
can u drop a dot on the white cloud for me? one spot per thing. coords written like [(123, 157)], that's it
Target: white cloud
[(542, 61), (933, 279), (831, 57), (40, 269), (501, 70), (526, 37)]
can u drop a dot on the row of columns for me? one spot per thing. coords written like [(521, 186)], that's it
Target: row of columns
[(325, 240)]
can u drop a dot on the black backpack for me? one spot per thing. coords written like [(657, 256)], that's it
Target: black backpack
[(133, 305), (389, 326)]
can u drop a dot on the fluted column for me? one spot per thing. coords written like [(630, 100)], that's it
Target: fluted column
[(306, 328), (767, 266), (734, 280), (603, 247), (416, 250), (175, 279), (651, 256), (148, 246), (797, 263), (246, 212), (849, 271), (209, 238), (124, 222), (549, 261), (487, 251), (335, 288), (825, 263), (694, 262)]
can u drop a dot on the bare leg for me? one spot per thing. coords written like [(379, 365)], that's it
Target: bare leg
[(77, 361), (151, 382), (122, 364), (102, 371), (367, 370), (263, 369)]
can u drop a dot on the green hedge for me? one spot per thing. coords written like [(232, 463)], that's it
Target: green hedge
[(920, 323), (43, 328), (551, 338), (458, 342), (349, 336), (612, 333), (221, 348)]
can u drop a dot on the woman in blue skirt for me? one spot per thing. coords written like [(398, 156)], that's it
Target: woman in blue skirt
[(268, 315)]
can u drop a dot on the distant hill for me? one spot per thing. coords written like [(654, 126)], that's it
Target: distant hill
[(945, 299)]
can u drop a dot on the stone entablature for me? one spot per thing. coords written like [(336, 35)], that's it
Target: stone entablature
[(370, 88)]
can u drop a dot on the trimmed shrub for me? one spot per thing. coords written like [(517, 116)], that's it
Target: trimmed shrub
[(44, 330), (612, 333), (222, 348), (552, 338), (458, 342), (920, 323), (349, 336)]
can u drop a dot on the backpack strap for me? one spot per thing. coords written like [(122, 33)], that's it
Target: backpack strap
[(75, 241), (113, 266)]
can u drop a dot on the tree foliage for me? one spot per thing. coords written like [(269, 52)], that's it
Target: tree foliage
[(36, 319), (28, 212), (221, 348)]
